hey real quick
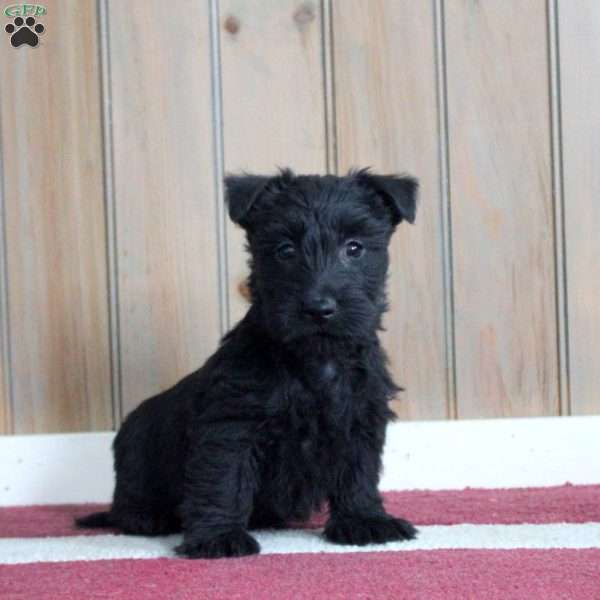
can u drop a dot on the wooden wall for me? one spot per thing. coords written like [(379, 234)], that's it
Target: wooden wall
[(119, 271)]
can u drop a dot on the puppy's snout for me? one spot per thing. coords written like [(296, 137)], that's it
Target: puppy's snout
[(320, 308)]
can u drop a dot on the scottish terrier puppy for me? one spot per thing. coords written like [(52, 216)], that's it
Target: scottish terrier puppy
[(291, 410)]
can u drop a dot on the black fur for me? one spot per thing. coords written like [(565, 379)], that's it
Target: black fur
[(291, 411)]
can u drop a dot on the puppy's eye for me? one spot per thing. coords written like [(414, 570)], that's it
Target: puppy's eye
[(354, 249), (285, 251)]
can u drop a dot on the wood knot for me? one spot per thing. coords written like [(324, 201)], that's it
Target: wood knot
[(244, 290), (231, 24), (304, 14)]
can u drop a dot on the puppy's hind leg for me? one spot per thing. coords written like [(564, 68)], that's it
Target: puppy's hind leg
[(134, 519), (139, 519), (95, 520)]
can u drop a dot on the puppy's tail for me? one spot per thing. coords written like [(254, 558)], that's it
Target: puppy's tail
[(99, 519)]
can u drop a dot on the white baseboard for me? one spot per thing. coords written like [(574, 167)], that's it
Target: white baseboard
[(492, 453), (57, 468), (73, 468)]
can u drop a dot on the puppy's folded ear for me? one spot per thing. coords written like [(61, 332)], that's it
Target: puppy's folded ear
[(399, 193), (241, 192)]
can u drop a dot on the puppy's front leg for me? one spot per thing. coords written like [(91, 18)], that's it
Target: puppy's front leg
[(221, 480), (357, 513)]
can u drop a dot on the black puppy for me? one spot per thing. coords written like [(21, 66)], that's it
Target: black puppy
[(291, 410)]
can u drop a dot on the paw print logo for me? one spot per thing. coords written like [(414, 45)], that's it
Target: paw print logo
[(24, 32)]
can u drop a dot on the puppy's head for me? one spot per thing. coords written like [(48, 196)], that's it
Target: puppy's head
[(319, 247)]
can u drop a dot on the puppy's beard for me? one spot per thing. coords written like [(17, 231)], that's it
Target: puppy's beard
[(337, 330), (287, 323)]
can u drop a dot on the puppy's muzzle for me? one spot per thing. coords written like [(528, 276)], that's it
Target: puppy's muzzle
[(320, 308)]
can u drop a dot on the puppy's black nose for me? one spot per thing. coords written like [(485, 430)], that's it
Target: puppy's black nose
[(320, 308)]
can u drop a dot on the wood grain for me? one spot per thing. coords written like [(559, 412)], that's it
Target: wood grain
[(502, 212), (579, 32), (56, 266), (164, 193), (273, 102), (386, 117)]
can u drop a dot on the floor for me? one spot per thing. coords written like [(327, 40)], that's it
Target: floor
[(473, 543), (497, 519)]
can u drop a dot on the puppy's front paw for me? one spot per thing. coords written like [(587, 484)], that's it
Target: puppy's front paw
[(237, 542), (359, 531)]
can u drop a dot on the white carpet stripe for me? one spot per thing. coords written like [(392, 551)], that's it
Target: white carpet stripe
[(102, 547)]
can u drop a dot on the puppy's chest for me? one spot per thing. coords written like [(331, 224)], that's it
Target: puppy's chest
[(315, 415), (321, 388)]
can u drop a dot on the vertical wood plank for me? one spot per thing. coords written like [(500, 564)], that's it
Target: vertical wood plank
[(273, 100), (5, 374), (579, 35), (502, 212), (164, 192), (56, 262), (385, 90)]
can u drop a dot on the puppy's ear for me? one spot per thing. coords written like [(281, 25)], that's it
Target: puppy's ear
[(241, 192), (399, 192)]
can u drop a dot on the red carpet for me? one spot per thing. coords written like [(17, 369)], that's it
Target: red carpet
[(547, 571), (565, 503), (432, 575)]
